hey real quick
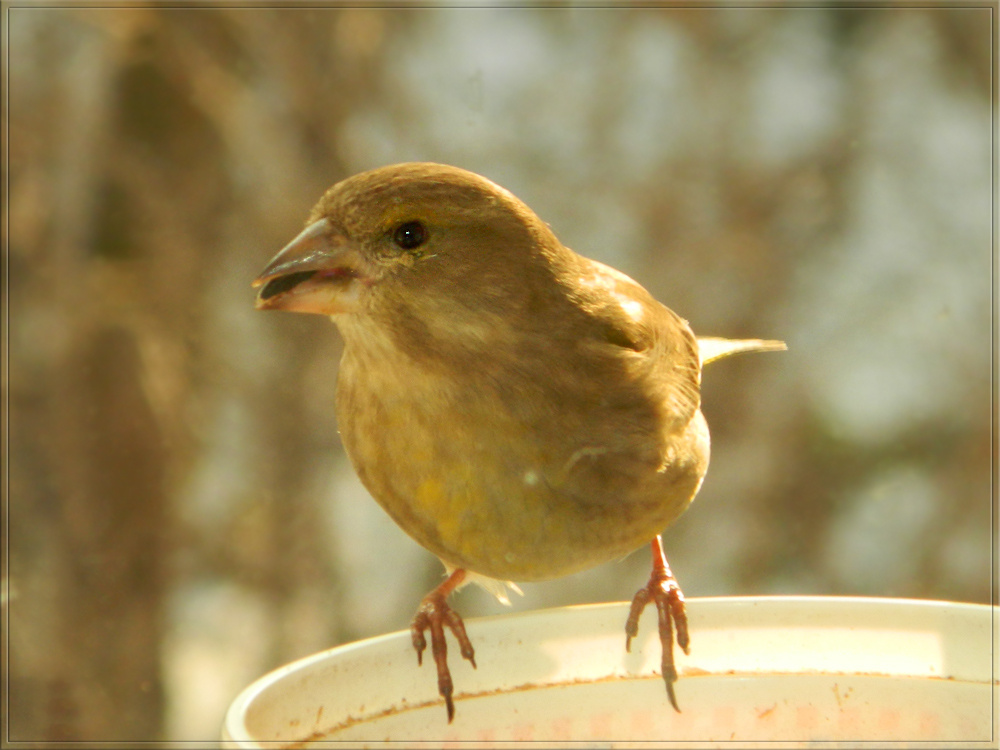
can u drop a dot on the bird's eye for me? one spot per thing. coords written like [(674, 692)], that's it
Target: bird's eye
[(410, 235)]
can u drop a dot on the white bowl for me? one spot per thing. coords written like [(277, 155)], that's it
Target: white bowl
[(798, 670)]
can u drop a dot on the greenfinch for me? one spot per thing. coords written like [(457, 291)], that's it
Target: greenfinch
[(521, 411)]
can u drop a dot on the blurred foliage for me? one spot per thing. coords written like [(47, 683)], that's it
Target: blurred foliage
[(181, 517)]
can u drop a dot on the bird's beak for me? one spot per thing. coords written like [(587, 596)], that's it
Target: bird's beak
[(317, 272)]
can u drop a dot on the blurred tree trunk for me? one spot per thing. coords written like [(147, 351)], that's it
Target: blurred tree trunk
[(88, 513), (95, 581), (142, 203), (103, 446)]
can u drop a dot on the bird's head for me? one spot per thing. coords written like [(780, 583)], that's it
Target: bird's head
[(420, 233)]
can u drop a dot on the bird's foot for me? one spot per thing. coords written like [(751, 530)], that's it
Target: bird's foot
[(433, 614), (666, 593)]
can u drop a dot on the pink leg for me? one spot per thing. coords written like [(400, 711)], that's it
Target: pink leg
[(434, 613), (666, 593)]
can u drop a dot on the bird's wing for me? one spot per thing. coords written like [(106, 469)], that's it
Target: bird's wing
[(626, 315)]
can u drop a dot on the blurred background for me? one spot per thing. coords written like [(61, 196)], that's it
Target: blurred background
[(181, 517)]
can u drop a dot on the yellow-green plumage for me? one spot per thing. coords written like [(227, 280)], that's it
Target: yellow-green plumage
[(521, 411)]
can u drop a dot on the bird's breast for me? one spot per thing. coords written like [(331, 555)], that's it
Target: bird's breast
[(515, 482)]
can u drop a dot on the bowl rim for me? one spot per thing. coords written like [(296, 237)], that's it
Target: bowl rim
[(236, 732)]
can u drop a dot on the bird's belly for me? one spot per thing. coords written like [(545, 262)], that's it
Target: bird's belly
[(481, 495)]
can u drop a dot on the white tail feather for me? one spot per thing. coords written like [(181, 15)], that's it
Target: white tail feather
[(711, 348)]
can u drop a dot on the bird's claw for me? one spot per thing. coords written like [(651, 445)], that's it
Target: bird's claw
[(664, 591), (434, 614)]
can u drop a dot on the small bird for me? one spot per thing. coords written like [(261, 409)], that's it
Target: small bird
[(521, 411)]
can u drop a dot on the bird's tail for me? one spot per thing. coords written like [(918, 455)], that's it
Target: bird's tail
[(711, 348)]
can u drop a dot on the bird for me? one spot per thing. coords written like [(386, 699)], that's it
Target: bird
[(521, 411)]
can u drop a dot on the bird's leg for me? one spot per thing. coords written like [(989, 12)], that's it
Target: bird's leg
[(434, 613), (666, 593)]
